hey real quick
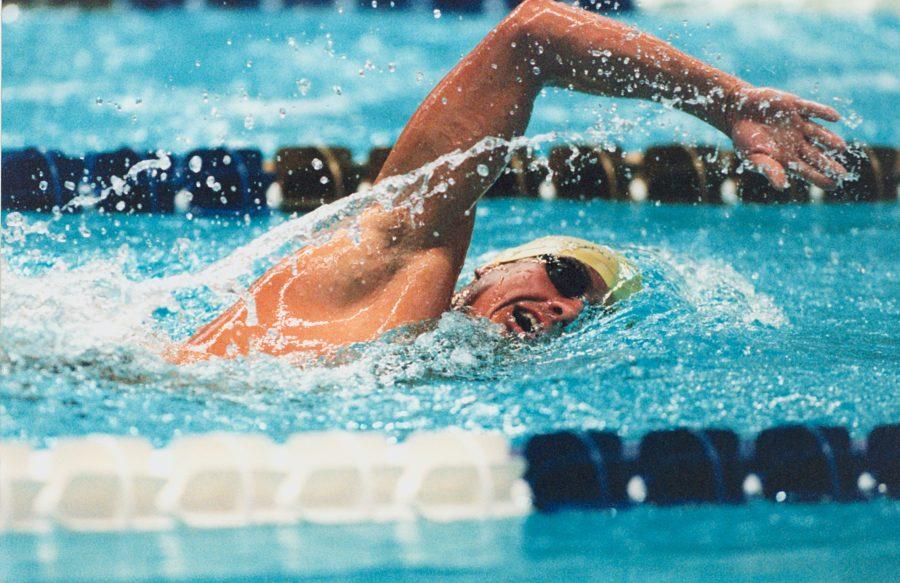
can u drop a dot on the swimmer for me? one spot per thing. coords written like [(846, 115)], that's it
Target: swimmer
[(399, 269)]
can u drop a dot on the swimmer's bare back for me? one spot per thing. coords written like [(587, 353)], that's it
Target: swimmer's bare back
[(404, 269)]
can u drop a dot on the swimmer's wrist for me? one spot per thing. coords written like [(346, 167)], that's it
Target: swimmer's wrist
[(733, 88)]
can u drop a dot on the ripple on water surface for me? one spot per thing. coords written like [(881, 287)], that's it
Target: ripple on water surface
[(750, 316)]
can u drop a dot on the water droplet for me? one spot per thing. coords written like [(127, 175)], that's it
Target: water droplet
[(195, 164), (15, 220), (337, 89), (120, 206), (324, 180), (482, 170), (419, 77), (282, 112), (249, 63), (197, 63), (317, 164), (99, 101), (118, 184), (392, 67), (303, 86), (248, 122), (437, 13), (43, 185)]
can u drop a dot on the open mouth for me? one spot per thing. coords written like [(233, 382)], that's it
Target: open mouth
[(527, 321)]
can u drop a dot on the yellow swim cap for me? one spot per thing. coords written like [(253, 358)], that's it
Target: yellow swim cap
[(621, 277)]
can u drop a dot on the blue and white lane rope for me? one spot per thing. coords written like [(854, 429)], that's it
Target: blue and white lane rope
[(112, 483)]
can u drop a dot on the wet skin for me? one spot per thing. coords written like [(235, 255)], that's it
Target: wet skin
[(520, 297), (402, 268)]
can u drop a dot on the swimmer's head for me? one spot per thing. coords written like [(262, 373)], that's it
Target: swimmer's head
[(545, 284)]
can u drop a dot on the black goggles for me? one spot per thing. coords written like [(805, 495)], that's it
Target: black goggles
[(569, 276)]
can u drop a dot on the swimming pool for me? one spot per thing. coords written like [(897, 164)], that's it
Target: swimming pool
[(752, 315)]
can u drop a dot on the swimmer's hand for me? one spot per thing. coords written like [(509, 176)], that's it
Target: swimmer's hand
[(774, 133)]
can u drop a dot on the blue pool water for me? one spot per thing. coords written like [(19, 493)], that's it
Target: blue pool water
[(751, 316), (760, 542), (179, 80)]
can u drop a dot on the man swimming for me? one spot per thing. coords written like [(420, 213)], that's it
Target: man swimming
[(398, 267)]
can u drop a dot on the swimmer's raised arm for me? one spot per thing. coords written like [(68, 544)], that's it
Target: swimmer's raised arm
[(543, 42), (401, 267)]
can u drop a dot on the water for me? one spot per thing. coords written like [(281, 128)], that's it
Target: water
[(751, 316), (758, 542), (179, 80)]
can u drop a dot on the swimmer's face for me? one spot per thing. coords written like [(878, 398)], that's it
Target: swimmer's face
[(532, 296)]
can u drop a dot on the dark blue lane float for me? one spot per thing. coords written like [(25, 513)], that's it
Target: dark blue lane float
[(458, 5), (681, 466), (806, 463), (308, 177), (883, 459), (30, 181), (233, 4), (686, 174), (585, 171), (522, 177), (110, 178), (791, 463), (73, 177), (313, 176), (385, 4), (876, 172), (157, 4), (572, 469), (219, 180)]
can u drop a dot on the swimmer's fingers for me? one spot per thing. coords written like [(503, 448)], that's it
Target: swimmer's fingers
[(815, 132), (810, 174), (770, 168), (821, 162), (813, 109)]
